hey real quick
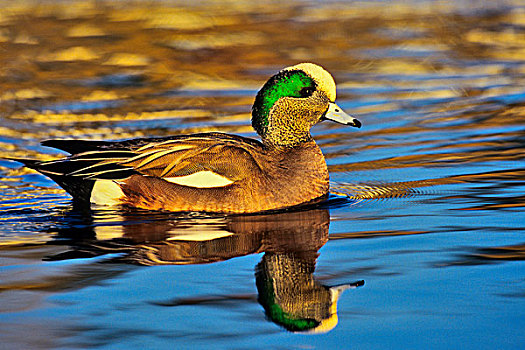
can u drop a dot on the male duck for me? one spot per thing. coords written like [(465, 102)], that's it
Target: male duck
[(214, 172)]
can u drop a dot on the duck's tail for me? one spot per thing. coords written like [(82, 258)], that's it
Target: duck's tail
[(80, 189)]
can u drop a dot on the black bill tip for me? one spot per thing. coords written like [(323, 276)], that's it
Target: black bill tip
[(355, 123)]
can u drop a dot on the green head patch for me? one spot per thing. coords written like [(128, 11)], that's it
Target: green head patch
[(275, 312), (287, 83)]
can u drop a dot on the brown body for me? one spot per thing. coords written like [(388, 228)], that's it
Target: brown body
[(271, 172)]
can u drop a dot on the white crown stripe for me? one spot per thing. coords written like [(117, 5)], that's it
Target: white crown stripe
[(323, 79)]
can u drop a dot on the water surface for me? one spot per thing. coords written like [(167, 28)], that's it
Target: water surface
[(427, 204)]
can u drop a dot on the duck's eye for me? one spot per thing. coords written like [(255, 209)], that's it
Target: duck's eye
[(307, 91)]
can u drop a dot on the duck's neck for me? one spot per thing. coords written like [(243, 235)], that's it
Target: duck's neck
[(285, 138), (303, 166)]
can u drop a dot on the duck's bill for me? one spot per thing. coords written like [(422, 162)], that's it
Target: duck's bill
[(336, 114)]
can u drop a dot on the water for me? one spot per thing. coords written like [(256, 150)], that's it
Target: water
[(427, 204)]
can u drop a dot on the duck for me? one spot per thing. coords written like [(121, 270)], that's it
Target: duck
[(213, 172)]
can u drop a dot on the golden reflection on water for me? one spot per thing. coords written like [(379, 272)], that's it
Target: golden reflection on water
[(158, 238)]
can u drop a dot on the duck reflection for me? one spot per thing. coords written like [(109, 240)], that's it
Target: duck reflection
[(292, 297), (290, 241)]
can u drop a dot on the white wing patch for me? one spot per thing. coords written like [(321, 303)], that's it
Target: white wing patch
[(106, 192), (202, 179)]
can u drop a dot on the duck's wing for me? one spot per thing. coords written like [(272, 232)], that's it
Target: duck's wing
[(211, 157)]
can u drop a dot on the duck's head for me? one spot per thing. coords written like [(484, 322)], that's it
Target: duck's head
[(294, 100)]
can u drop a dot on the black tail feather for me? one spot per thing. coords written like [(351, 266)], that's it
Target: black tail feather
[(78, 188), (77, 146)]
